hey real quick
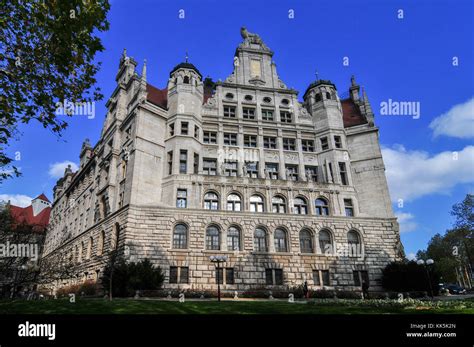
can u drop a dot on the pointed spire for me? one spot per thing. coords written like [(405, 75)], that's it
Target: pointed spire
[(353, 81), (144, 70), (124, 53)]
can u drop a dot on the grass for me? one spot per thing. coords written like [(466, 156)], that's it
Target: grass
[(131, 306)]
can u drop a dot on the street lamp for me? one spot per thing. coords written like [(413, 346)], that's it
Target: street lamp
[(218, 259), (427, 263)]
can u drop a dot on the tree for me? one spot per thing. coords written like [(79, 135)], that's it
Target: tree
[(408, 276), (130, 277), (19, 271), (46, 56), (453, 251)]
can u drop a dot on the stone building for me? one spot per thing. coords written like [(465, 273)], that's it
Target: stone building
[(290, 191)]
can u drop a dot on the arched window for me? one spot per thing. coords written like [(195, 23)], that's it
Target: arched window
[(89, 248), (353, 237), (81, 250), (300, 205), (322, 207), (306, 241), (186, 80), (211, 201), (260, 240), (233, 239), (256, 203), (116, 236), (100, 245), (180, 236), (234, 202), (278, 204), (280, 240), (317, 97), (325, 242), (328, 95), (213, 241)]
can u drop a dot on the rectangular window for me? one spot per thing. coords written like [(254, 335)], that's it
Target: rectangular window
[(251, 169), (229, 111), (316, 278), (324, 143), (356, 276), (292, 172), (285, 117), (219, 276), (230, 168), (271, 171), (267, 115), (307, 145), (349, 208), (278, 277), (183, 275), (230, 139), (269, 142), (250, 141), (343, 173), (181, 198), (269, 276), (229, 275), (196, 132), (171, 129), (209, 167), (337, 142), (170, 162), (173, 274), (325, 277), (289, 144), (210, 137), (311, 173), (248, 113), (196, 164), (183, 161), (184, 128)]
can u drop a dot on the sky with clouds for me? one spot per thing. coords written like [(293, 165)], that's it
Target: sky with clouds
[(425, 57)]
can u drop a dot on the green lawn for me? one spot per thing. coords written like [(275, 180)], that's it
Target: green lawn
[(131, 306)]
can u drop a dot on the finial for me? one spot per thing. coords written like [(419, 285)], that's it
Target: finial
[(317, 75), (364, 95), (144, 69), (187, 56), (353, 81), (124, 53)]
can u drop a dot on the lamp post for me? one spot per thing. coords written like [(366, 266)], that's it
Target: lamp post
[(427, 263), (218, 259)]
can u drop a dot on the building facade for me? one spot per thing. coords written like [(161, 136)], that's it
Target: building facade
[(289, 191)]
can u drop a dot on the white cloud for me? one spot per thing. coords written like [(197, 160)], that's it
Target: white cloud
[(17, 199), (406, 221), (56, 170), (457, 122), (411, 256), (413, 174)]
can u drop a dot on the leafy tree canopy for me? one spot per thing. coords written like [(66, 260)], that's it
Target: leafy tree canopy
[(46, 55)]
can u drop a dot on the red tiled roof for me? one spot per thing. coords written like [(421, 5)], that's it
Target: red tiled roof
[(24, 215), (158, 97), (42, 197), (351, 114)]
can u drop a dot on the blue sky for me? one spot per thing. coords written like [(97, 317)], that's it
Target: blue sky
[(408, 59)]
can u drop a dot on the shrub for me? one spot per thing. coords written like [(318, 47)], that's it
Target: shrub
[(88, 288), (127, 278), (348, 294), (408, 277), (323, 294)]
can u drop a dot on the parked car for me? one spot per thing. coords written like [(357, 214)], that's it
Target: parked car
[(455, 289)]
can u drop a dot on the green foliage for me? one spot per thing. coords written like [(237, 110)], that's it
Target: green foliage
[(127, 278), (409, 276), (47, 55), (453, 252)]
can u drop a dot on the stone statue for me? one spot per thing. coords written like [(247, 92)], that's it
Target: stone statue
[(248, 36)]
